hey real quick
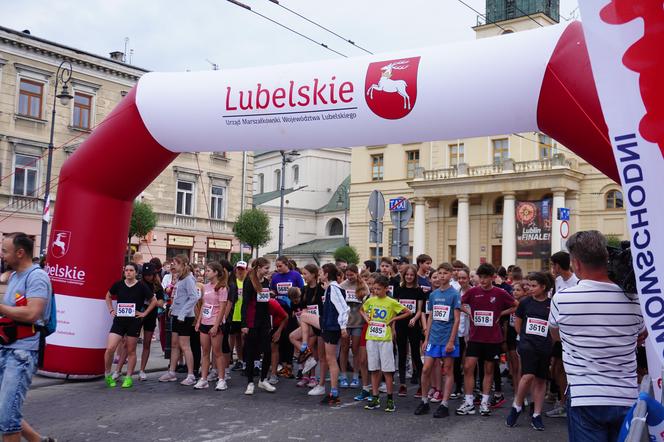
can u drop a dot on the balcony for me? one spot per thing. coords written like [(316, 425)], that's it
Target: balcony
[(193, 223), (21, 204)]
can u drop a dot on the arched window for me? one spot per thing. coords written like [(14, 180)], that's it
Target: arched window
[(454, 208), (498, 206), (335, 227), (614, 199)]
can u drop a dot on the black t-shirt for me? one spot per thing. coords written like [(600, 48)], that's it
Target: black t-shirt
[(534, 315), (409, 294), (137, 294), (313, 296)]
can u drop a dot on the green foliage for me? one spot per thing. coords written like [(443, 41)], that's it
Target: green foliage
[(613, 240), (143, 219), (347, 253), (253, 227)]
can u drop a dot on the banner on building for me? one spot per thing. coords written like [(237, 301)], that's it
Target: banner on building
[(533, 229)]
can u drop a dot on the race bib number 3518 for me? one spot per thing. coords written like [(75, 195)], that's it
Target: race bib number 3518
[(483, 318)]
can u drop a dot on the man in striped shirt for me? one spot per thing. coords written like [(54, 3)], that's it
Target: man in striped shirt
[(599, 325)]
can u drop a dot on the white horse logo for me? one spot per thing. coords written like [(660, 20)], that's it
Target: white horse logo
[(60, 243), (386, 84)]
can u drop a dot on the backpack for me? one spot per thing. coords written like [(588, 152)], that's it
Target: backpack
[(49, 327)]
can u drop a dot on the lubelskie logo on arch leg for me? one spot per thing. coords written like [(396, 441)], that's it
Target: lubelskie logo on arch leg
[(391, 87)]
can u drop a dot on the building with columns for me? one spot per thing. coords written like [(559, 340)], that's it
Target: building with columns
[(464, 192)]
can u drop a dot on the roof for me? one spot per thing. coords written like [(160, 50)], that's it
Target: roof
[(333, 205), (264, 197), (327, 246)]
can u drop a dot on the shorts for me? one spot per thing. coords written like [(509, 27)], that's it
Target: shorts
[(557, 351), (363, 336), (317, 331), (16, 370), (535, 363), (438, 351), (331, 336), (235, 327), (483, 351), (205, 329), (150, 321), (380, 356), (183, 328), (356, 331), (641, 359), (127, 327)]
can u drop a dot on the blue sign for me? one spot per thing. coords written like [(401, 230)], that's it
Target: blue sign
[(563, 214), (398, 204)]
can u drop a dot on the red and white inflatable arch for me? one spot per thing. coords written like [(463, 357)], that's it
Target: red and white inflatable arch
[(539, 80)]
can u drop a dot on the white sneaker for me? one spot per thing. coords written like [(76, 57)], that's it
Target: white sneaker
[(221, 385), (189, 380), (382, 387), (265, 385), (212, 376), (115, 375), (273, 380), (169, 376), (309, 364), (201, 384), (318, 390), (142, 376), (250, 388)]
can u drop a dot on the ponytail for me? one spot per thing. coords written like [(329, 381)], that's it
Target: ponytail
[(258, 262), (222, 274)]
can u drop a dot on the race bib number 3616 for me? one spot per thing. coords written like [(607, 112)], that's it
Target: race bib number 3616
[(538, 327)]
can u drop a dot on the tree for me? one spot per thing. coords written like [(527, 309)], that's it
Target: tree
[(347, 253), (253, 227), (143, 220)]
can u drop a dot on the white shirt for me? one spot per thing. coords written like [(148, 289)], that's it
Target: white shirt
[(598, 325), (564, 284)]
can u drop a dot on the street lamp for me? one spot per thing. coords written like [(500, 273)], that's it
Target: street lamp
[(63, 76), (286, 157), (344, 194)]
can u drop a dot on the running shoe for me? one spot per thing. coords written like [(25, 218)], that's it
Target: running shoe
[(309, 364), (115, 375), (485, 410), (169, 376), (273, 380), (382, 387), (142, 376), (302, 382), (364, 394), (497, 401), (373, 403), (110, 382), (441, 411), (189, 380), (558, 411), (316, 391), (512, 417), (201, 384), (437, 397), (418, 393), (312, 382), (343, 382), (390, 407), (431, 392), (422, 408), (465, 409), (265, 385), (213, 375), (221, 385), (250, 389), (304, 355), (456, 395), (330, 400), (237, 366), (127, 382), (355, 383), (536, 423)]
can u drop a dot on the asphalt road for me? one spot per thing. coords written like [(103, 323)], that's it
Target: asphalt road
[(153, 411)]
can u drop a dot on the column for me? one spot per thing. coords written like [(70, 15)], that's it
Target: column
[(509, 230), (558, 202), (463, 230), (419, 234), (434, 245)]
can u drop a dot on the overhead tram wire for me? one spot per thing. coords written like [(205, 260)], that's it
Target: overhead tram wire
[(528, 15), (478, 13), (347, 40), (248, 8)]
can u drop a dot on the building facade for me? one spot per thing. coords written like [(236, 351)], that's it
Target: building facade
[(465, 192), (196, 198)]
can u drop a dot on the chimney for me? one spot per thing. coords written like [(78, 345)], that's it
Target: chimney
[(117, 56)]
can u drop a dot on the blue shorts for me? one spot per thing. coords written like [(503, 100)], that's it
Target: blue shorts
[(16, 370), (438, 351)]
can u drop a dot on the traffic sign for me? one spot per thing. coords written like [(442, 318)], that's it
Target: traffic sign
[(398, 204), (563, 214), (376, 205), (564, 229), (401, 218)]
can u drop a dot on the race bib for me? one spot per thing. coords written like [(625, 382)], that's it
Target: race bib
[(538, 327), (313, 309), (483, 318), (410, 304), (425, 288), (206, 311), (512, 316), (377, 330), (263, 295), (351, 296), (282, 288), (125, 310), (441, 313)]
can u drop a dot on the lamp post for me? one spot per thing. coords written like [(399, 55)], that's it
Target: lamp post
[(344, 194), (286, 157), (63, 76)]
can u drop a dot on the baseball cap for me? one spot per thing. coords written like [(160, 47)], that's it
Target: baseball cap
[(241, 264), (148, 269)]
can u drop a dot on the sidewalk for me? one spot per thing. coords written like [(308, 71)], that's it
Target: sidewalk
[(155, 363)]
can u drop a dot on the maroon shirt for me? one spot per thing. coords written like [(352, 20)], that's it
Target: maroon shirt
[(485, 308)]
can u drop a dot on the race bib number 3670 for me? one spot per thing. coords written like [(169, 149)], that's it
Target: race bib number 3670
[(125, 310), (483, 318)]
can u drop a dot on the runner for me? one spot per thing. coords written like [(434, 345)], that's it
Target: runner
[(151, 278), (441, 341), (284, 278), (365, 393), (435, 393), (356, 291), (485, 305), (463, 281), (408, 330), (532, 322), (128, 314), (236, 283), (215, 297)]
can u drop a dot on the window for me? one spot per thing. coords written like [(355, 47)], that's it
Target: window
[(296, 174), (261, 183), (377, 167), (277, 179), (500, 150), (412, 162), (456, 154), (217, 195), (335, 227), (546, 146), (82, 110), (185, 198), (451, 251), (26, 171), (614, 199), (498, 206), (30, 98), (454, 208)]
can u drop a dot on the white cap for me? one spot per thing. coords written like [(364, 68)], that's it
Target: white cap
[(241, 264)]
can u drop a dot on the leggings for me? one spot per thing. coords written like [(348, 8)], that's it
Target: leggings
[(195, 343), (458, 366), (258, 341), (409, 335)]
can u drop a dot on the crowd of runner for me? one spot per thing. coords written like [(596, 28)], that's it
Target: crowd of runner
[(457, 333)]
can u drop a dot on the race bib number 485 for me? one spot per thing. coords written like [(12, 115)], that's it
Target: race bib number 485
[(483, 318), (125, 310), (377, 330)]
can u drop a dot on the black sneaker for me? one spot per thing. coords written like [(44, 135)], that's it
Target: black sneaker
[(536, 423), (441, 411), (512, 417), (497, 401), (422, 408), (237, 366)]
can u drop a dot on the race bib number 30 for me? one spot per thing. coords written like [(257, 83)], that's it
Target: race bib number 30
[(206, 311), (263, 295), (125, 310), (538, 327), (410, 304), (441, 313), (483, 318), (377, 330)]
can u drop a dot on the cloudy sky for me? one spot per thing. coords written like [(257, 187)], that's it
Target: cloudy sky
[(175, 35)]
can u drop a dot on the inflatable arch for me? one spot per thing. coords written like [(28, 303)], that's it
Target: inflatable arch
[(538, 80)]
